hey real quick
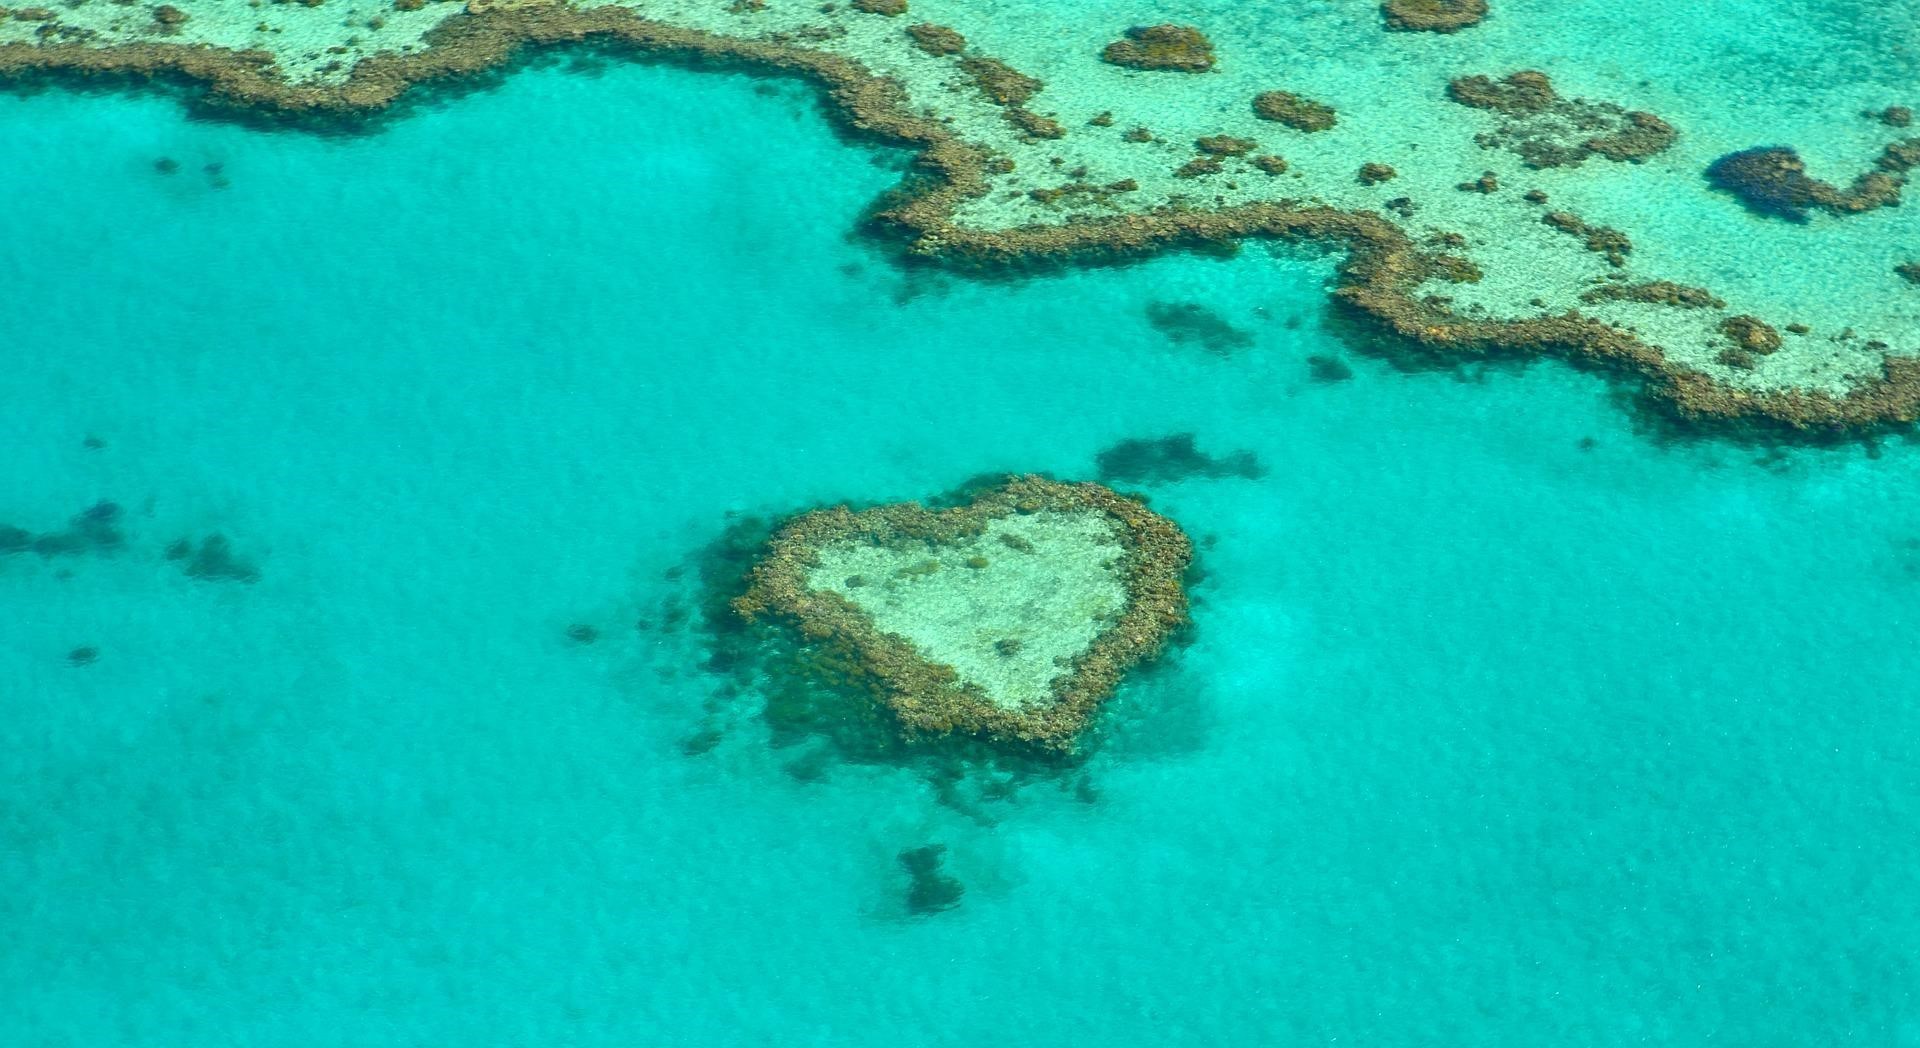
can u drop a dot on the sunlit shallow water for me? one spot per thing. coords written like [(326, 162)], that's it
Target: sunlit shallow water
[(1503, 723)]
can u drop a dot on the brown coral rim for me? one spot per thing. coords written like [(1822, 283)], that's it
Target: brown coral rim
[(927, 696), (1378, 276)]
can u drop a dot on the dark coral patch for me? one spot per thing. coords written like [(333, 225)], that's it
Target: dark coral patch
[(1523, 93), (937, 40), (1168, 460), (929, 890), (1545, 130), (1601, 240), (1374, 174), (1225, 145), (1301, 114), (1000, 82), (213, 560), (1433, 16), (1326, 369), (1190, 323), (1656, 292), (1176, 48), (1773, 180), (95, 529), (1751, 334)]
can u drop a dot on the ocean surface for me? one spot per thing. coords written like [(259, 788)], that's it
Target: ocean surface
[(1507, 719)]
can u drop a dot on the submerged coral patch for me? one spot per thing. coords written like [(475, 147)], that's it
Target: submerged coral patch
[(1168, 460), (212, 559), (1012, 616), (95, 529), (1190, 323), (929, 889)]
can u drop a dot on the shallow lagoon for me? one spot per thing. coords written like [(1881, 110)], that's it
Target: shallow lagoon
[(1503, 722)]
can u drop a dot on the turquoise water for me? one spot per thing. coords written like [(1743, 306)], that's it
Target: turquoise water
[(1504, 723)]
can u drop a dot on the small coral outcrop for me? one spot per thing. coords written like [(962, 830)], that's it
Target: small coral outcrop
[(936, 40), (1175, 48), (1301, 114), (1433, 16)]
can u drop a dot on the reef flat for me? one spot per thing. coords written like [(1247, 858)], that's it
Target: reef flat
[(1485, 206), (1011, 616)]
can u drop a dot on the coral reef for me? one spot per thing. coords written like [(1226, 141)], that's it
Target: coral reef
[(1751, 334), (1299, 113), (1773, 180), (1488, 182), (1000, 82), (1190, 323), (1379, 280), (1373, 174), (1600, 240), (933, 697), (1655, 292), (1225, 145), (1177, 48), (1168, 460), (1199, 166), (881, 7), (1545, 130), (1433, 16), (936, 40)]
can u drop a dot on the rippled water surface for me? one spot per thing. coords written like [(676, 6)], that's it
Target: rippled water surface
[(1506, 721)]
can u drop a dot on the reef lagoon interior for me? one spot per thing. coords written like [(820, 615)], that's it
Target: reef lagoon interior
[(375, 480)]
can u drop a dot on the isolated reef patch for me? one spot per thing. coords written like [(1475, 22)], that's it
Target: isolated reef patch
[(1178, 48), (1773, 180), (1301, 114), (1012, 616), (1168, 460), (1433, 16), (1546, 130), (1190, 323)]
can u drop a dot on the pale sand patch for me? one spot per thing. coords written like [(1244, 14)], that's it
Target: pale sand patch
[(1011, 627)]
